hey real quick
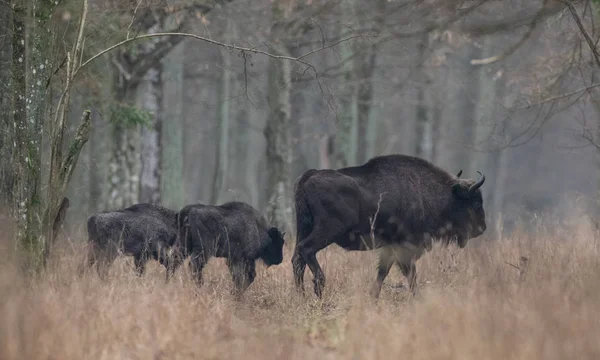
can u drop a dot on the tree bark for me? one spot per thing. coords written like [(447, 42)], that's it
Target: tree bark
[(6, 108), (222, 150), (26, 185), (172, 186), (31, 61), (132, 177), (423, 115), (490, 85), (276, 132), (124, 160), (152, 102), (460, 109), (346, 139)]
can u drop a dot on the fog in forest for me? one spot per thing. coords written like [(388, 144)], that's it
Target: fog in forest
[(505, 88)]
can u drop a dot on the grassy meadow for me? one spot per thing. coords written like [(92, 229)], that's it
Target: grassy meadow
[(482, 302)]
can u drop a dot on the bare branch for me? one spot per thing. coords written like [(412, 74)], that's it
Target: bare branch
[(507, 52), (68, 164), (560, 96), (210, 41), (324, 47), (62, 169), (511, 24), (78, 43), (584, 32), (298, 59)]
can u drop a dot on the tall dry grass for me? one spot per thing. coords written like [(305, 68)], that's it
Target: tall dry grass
[(473, 305)]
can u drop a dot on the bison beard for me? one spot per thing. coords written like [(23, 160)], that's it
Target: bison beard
[(234, 231), (395, 203)]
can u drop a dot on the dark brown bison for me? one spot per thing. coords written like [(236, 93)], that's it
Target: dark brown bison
[(144, 231), (234, 231), (396, 203)]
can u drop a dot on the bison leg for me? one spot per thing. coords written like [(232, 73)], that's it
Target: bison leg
[(140, 264), (386, 260), (410, 272), (318, 275), (196, 265), (307, 248), (101, 259), (299, 266), (242, 274)]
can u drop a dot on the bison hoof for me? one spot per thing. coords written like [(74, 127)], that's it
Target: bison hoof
[(319, 285)]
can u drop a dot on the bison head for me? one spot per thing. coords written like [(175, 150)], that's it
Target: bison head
[(467, 215), (273, 252)]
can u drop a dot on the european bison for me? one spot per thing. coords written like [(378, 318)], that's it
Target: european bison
[(234, 231), (410, 200), (143, 231)]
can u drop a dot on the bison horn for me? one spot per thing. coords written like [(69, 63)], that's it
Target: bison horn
[(479, 182), (459, 174)]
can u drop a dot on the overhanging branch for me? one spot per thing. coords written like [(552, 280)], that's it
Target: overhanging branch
[(298, 59), (583, 31), (532, 25)]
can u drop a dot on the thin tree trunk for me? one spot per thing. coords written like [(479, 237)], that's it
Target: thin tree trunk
[(6, 108), (367, 61), (151, 94), (490, 85), (172, 187), (440, 83), (95, 184), (424, 120), (277, 135), (124, 160), (222, 153), (346, 139), (460, 109), (152, 102)]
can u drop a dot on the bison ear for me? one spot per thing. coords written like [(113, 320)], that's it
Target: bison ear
[(460, 190)]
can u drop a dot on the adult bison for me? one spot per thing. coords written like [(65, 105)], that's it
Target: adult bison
[(397, 203), (143, 231), (234, 231)]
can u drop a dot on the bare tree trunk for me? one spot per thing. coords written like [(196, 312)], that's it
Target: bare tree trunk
[(490, 85), (346, 138), (172, 188), (124, 160), (423, 115), (460, 109), (276, 132), (26, 197), (31, 61), (6, 108), (222, 153), (150, 92), (438, 102), (151, 101), (95, 184), (366, 63)]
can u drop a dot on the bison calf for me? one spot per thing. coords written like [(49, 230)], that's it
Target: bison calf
[(143, 231), (234, 231)]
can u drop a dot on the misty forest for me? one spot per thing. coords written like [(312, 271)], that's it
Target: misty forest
[(105, 104)]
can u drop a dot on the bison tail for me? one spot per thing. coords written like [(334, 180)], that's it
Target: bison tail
[(304, 218)]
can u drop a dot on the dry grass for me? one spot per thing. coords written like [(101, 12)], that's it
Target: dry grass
[(472, 306)]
